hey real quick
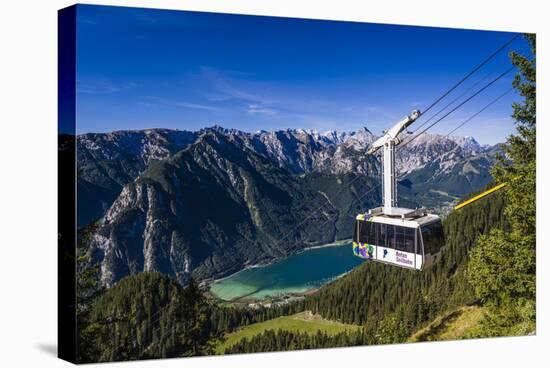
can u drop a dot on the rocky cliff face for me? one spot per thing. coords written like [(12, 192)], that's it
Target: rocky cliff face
[(426, 148), (107, 161)]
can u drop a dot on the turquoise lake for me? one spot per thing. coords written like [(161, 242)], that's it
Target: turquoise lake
[(295, 274)]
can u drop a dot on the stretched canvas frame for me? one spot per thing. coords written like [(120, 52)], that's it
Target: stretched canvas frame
[(133, 284)]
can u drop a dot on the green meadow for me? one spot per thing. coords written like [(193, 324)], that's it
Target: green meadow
[(300, 322)]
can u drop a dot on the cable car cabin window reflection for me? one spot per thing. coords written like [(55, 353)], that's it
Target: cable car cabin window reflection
[(404, 239), (399, 238), (410, 240), (367, 232), (432, 235), (390, 236), (381, 235), (363, 231)]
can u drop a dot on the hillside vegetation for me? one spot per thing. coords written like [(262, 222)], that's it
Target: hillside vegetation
[(461, 323), (145, 316)]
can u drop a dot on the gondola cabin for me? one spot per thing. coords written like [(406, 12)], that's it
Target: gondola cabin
[(394, 235), (408, 242)]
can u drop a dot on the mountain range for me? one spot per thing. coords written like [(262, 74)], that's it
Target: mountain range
[(209, 203)]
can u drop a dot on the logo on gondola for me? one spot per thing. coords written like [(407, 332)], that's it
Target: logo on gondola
[(385, 253), (363, 250)]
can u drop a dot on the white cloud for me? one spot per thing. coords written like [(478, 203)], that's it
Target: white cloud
[(260, 110), (155, 100)]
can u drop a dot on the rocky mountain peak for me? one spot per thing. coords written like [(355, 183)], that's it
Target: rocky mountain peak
[(107, 161)]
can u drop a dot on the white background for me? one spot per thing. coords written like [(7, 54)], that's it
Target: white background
[(28, 210)]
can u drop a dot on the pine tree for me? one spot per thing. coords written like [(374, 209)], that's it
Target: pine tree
[(195, 316), (88, 290)]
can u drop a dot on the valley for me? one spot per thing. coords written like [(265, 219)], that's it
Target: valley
[(274, 194)]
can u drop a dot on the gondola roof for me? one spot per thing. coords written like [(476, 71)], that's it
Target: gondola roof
[(425, 219)]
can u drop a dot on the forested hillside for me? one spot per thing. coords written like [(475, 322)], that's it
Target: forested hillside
[(147, 316), (374, 290)]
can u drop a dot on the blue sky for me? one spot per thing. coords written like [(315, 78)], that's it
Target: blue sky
[(144, 68)]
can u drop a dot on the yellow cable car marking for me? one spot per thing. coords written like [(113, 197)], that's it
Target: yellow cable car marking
[(493, 189)]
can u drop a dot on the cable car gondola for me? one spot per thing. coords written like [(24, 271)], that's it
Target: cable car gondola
[(410, 238)]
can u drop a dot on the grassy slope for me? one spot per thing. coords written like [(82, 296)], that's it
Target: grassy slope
[(302, 322), (452, 326)]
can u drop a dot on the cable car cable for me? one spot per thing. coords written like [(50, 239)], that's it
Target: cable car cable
[(456, 99), (480, 196), (447, 135), (480, 111), (458, 106), (452, 102), (401, 146), (429, 127), (489, 58)]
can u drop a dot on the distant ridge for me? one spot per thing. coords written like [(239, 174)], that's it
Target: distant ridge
[(108, 161)]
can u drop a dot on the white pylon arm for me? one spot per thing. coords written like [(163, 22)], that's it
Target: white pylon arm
[(389, 183), (392, 133)]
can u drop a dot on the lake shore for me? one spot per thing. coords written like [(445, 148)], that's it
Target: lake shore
[(277, 299), (253, 293), (210, 282)]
